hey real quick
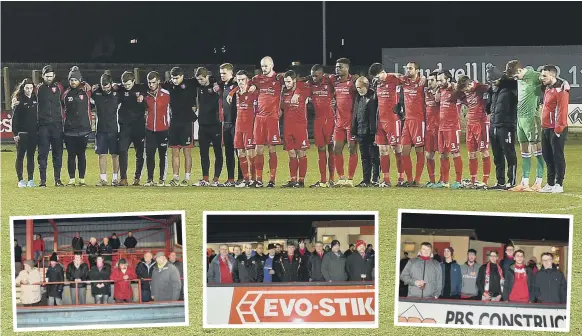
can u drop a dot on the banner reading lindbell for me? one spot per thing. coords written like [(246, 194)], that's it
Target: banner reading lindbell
[(303, 304), (535, 317), (471, 61)]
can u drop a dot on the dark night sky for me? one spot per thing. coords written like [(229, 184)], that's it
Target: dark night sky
[(188, 32), (493, 228), (225, 228)]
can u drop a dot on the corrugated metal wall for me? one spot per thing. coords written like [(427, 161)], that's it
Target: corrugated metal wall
[(88, 229)]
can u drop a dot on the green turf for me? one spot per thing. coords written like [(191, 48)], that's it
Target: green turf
[(92, 199)]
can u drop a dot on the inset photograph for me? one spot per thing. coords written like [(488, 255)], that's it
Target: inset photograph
[(509, 271), (99, 271), (290, 269)]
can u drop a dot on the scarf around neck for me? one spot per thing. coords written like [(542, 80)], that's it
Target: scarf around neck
[(488, 274)]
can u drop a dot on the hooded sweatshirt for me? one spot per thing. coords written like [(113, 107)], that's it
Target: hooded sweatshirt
[(469, 273)]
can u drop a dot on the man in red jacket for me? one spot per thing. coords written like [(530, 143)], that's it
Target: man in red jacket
[(38, 248), (122, 276), (157, 125), (554, 127)]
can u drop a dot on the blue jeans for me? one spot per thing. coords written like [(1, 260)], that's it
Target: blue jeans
[(37, 256)]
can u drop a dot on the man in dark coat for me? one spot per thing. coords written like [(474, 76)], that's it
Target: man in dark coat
[(77, 272), (101, 291), (364, 124), (78, 244), (180, 266), (55, 273), (249, 267), (114, 242), (550, 285), (305, 256), (130, 242), (359, 265), (144, 270), (315, 261), (287, 269)]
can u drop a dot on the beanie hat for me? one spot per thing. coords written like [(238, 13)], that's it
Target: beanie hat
[(271, 247), (75, 73), (47, 68), (53, 257), (334, 243), (30, 263), (360, 242), (450, 248), (160, 254), (493, 73)]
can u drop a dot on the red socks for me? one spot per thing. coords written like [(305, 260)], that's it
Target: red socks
[(407, 167), (293, 165), (253, 169), (352, 165), (273, 166), (244, 166), (259, 165), (473, 166), (302, 168), (430, 165), (419, 166), (445, 168), (322, 161), (339, 164), (458, 168), (399, 166), (486, 169), (385, 167), (330, 165)]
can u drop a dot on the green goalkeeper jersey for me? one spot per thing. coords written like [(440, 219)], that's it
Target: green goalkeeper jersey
[(528, 94)]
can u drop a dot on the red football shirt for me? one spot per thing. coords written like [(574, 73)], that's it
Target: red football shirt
[(345, 93), (476, 103), (413, 97), (246, 108), (387, 98), (269, 89), (449, 114), (296, 114), (321, 96), (432, 110)]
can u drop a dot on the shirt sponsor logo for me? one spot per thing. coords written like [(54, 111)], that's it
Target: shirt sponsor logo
[(54, 89)]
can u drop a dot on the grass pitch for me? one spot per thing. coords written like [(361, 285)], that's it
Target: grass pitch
[(91, 199)]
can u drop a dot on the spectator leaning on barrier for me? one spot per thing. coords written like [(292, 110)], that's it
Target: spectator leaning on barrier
[(490, 279), (55, 273), (17, 258), (550, 285), (78, 244), (315, 263), (114, 242), (130, 242), (106, 250), (93, 250), (423, 275), (287, 269), (359, 265), (221, 268), (29, 279), (469, 271), (77, 272), (305, 255), (452, 277), (166, 283), (180, 266), (100, 290), (268, 271), (144, 270), (519, 279), (123, 276), (248, 267), (333, 266)]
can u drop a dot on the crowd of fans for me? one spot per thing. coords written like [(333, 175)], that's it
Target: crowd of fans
[(297, 264), (428, 276), (160, 278)]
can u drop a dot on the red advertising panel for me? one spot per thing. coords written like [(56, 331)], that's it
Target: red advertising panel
[(6, 126), (311, 304)]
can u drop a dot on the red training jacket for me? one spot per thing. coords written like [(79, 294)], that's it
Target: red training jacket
[(158, 110)]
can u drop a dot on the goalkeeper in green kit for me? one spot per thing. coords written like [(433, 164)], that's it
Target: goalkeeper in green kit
[(529, 129)]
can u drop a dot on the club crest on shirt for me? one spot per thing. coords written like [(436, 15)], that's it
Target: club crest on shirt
[(137, 94), (210, 90), (54, 89), (183, 86), (127, 94), (115, 93), (81, 97)]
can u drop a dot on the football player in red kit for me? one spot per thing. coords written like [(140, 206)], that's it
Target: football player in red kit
[(474, 96), (449, 131), (345, 93), (243, 133), (389, 125), (322, 94), (431, 139), (414, 125), (295, 127)]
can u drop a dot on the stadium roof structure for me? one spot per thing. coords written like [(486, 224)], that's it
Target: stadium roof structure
[(521, 242), (343, 223), (440, 232)]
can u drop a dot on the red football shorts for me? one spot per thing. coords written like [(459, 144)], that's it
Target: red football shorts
[(296, 137), (343, 134), (388, 133), (323, 131), (266, 131), (413, 133), (243, 140), (449, 141), (431, 141), (477, 137)]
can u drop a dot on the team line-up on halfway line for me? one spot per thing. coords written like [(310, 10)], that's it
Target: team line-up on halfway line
[(388, 112)]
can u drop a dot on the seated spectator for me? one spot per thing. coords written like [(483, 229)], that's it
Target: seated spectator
[(29, 279), (55, 273), (221, 268), (166, 283), (100, 290), (180, 266), (77, 272), (144, 271), (123, 276)]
